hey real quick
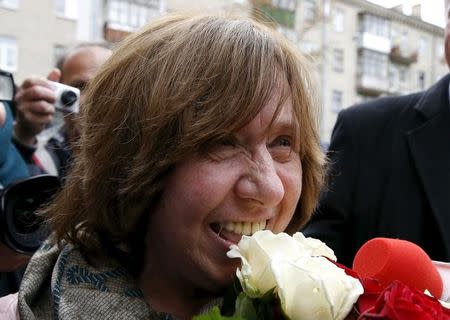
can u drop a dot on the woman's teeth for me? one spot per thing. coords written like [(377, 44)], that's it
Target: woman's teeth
[(245, 228)]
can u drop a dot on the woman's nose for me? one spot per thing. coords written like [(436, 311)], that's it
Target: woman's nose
[(261, 182)]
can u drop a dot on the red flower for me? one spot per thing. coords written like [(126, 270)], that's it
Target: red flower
[(400, 302), (395, 302)]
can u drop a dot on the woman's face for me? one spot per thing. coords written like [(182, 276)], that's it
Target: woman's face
[(250, 182)]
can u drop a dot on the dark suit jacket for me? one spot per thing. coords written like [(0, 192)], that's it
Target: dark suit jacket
[(389, 175)]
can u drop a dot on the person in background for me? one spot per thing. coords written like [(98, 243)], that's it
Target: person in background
[(12, 166), (35, 105), (12, 169), (390, 173), (197, 130)]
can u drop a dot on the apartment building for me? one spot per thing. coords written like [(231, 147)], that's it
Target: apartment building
[(111, 20), (32, 34), (361, 50)]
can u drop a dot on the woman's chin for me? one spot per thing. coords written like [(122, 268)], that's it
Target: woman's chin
[(224, 275)]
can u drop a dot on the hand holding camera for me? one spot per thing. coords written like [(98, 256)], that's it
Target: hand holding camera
[(36, 101), (67, 97)]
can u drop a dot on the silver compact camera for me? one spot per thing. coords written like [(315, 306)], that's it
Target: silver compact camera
[(67, 98)]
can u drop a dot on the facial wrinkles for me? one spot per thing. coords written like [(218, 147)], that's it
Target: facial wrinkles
[(264, 166), (260, 180)]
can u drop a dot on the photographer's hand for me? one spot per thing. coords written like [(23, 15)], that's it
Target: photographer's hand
[(11, 260), (34, 100)]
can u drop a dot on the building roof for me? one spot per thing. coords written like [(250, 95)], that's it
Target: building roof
[(395, 15)]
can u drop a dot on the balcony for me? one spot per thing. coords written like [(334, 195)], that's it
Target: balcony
[(398, 89), (281, 16), (401, 55), (374, 42), (370, 86), (114, 33)]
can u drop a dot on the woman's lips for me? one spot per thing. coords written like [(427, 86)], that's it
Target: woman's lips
[(227, 236), (232, 231)]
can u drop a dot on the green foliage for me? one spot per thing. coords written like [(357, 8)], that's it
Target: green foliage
[(264, 308), (214, 314), (282, 16)]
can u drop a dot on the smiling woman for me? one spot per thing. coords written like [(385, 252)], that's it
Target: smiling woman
[(196, 131)]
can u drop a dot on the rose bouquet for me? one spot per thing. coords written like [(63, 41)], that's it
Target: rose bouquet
[(284, 277)]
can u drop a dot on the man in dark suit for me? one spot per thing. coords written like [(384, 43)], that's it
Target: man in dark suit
[(390, 173)]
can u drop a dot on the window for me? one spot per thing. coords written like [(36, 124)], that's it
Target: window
[(374, 64), (66, 8), (404, 40), (375, 25), (11, 4), (114, 10), (402, 74), (60, 7), (338, 20), (440, 51), (58, 52), (423, 46), (8, 54), (421, 80), (393, 74), (394, 34), (336, 101), (134, 15), (130, 15), (309, 12), (142, 16), (309, 47), (123, 13), (338, 60)]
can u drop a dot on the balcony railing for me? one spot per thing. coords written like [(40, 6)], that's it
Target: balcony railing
[(112, 33), (371, 86), (400, 55), (374, 42)]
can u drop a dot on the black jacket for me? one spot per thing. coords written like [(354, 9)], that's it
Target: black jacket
[(389, 175)]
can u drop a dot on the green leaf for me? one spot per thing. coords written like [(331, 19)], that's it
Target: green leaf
[(245, 307), (214, 314), (269, 296)]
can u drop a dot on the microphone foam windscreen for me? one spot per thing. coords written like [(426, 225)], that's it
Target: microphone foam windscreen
[(388, 259)]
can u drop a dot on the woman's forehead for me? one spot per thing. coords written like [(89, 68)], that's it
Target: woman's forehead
[(274, 115)]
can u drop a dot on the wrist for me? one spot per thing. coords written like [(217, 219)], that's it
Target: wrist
[(24, 136)]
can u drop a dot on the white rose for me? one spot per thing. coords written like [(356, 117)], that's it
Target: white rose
[(314, 288), (314, 247), (309, 286), (256, 252)]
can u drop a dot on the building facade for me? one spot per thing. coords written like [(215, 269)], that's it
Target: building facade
[(111, 20), (360, 50), (33, 33)]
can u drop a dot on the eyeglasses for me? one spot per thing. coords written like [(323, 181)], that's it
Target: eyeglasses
[(7, 88)]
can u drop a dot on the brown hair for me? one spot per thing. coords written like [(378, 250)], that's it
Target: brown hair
[(166, 93)]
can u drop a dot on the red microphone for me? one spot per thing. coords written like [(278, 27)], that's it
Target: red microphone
[(387, 259)]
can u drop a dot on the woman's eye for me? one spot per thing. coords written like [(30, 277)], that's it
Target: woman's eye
[(224, 148), (283, 141), (227, 142), (282, 148)]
